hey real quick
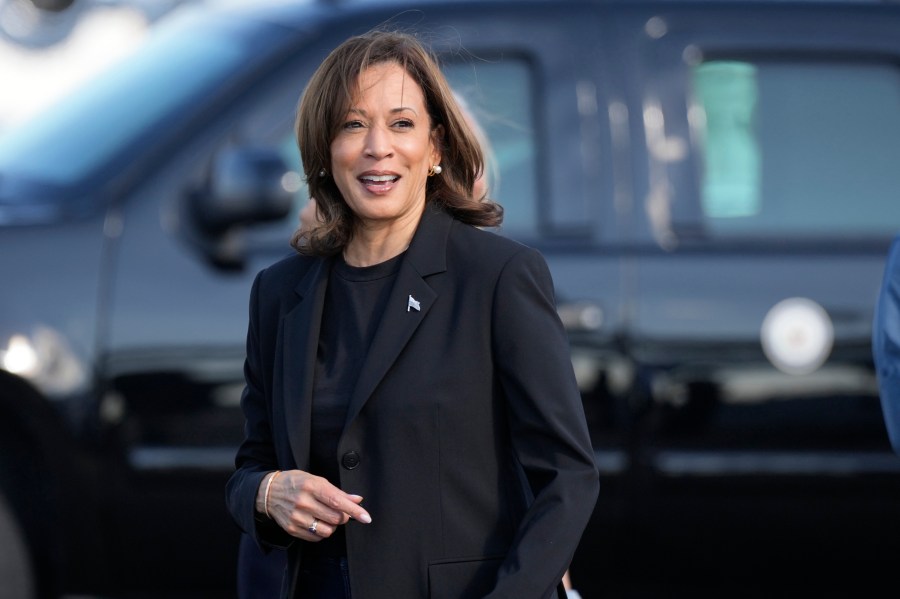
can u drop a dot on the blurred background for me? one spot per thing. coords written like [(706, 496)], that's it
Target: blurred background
[(713, 184), (49, 47)]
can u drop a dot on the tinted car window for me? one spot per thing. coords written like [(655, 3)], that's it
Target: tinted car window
[(499, 97), (789, 146)]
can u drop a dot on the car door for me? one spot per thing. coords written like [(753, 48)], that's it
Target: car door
[(767, 204)]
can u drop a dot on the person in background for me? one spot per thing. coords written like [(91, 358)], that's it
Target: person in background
[(886, 344), (413, 425)]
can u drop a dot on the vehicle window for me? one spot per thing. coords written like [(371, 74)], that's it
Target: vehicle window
[(792, 148), (102, 121), (498, 95)]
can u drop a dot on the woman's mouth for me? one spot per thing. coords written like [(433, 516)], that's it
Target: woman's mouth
[(378, 183)]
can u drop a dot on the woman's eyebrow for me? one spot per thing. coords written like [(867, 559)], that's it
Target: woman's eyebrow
[(362, 111)]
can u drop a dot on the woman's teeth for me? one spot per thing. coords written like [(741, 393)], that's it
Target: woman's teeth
[(379, 178)]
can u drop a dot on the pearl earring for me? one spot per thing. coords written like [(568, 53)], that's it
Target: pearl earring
[(435, 170), (322, 173)]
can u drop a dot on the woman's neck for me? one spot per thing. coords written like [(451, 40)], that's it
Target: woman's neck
[(374, 243)]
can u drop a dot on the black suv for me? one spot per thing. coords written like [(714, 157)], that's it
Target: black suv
[(714, 185)]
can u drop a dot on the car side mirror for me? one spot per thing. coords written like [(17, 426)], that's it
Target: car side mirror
[(245, 186)]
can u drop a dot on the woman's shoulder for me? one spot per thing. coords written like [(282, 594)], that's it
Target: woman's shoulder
[(487, 244), (487, 255), (286, 272)]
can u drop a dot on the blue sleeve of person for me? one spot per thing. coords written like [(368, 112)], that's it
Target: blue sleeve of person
[(886, 344)]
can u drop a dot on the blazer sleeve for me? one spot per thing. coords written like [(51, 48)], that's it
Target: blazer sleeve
[(886, 344), (547, 427), (256, 456)]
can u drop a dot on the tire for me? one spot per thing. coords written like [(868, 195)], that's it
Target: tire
[(16, 569), (31, 527)]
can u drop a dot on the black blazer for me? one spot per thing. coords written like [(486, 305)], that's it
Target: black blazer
[(465, 433)]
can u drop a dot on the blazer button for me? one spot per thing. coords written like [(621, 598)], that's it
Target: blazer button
[(350, 460)]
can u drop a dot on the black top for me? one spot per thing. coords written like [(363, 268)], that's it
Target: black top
[(354, 303)]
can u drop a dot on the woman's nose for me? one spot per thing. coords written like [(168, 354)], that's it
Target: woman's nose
[(378, 142)]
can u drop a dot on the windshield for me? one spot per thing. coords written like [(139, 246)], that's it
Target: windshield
[(181, 62)]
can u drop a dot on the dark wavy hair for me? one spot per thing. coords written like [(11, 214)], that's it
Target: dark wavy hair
[(324, 106)]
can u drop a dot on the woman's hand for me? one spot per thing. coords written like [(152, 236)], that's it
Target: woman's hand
[(307, 506)]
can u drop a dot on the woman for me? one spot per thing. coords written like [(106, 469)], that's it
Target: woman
[(413, 424)]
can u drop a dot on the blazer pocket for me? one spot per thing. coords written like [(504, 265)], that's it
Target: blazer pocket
[(462, 578)]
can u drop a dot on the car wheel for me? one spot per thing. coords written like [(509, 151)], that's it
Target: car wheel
[(16, 570)]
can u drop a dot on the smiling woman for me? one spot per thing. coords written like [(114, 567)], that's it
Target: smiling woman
[(383, 471), (329, 118), (381, 159)]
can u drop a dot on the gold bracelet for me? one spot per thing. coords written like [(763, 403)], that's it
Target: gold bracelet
[(266, 494)]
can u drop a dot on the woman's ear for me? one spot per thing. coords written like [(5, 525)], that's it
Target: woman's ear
[(437, 144)]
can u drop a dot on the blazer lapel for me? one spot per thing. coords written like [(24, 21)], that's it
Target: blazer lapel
[(300, 331), (409, 302)]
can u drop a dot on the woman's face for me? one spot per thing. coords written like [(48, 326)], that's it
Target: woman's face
[(384, 148)]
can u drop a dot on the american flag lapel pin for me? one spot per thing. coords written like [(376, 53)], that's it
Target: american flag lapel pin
[(412, 304)]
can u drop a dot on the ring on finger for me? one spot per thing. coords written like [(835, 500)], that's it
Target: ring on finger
[(312, 527)]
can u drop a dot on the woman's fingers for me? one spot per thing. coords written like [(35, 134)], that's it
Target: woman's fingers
[(345, 504), (308, 528), (309, 507)]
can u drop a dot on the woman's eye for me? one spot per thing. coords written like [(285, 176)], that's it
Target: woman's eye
[(404, 123), (353, 124)]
